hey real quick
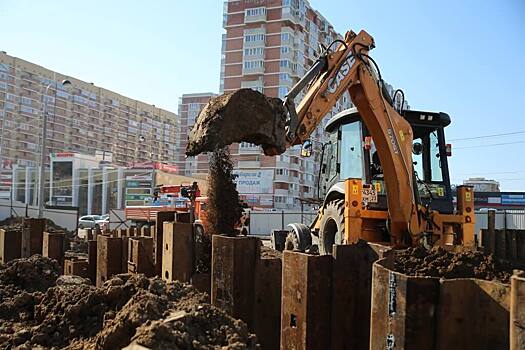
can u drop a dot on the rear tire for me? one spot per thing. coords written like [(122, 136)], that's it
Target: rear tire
[(332, 226), (299, 238)]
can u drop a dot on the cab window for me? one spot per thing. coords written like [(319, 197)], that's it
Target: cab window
[(332, 156), (435, 159), (351, 151)]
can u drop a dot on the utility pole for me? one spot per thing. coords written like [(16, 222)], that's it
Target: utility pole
[(41, 176)]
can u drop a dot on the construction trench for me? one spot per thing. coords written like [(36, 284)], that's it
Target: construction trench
[(170, 287)]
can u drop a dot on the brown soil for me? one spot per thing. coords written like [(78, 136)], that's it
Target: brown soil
[(243, 115), (439, 262), (269, 253), (197, 327), (39, 310), (223, 209), (17, 223)]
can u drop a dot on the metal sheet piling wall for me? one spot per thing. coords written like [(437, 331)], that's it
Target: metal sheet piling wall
[(233, 265), (177, 251), (517, 311), (306, 300), (10, 245), (428, 313), (351, 293)]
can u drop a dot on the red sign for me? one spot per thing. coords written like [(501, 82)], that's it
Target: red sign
[(166, 168), (62, 155)]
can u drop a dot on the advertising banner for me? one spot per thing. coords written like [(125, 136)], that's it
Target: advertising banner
[(254, 181), (513, 199)]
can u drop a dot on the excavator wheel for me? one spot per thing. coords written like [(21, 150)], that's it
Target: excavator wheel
[(332, 226), (299, 238)]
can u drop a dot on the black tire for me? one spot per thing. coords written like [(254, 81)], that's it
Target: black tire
[(300, 240), (332, 226)]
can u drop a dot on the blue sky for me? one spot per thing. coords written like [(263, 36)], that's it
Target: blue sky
[(465, 58)]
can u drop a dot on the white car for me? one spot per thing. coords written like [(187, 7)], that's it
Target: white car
[(93, 221)]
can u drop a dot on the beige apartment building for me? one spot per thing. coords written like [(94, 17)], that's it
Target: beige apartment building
[(189, 107), (82, 118), (268, 46)]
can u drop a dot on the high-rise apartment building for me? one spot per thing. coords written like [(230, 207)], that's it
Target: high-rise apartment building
[(190, 106), (82, 118), (268, 46)]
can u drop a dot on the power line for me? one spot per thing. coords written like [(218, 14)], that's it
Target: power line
[(491, 145), (496, 173), (487, 136)]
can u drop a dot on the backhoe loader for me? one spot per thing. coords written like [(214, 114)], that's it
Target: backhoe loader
[(384, 171)]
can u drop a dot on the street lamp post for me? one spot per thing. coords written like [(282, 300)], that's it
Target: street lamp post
[(41, 176), (4, 112)]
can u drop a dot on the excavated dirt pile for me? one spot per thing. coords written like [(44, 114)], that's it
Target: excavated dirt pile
[(243, 115), (18, 223), (439, 262), (269, 253), (70, 313), (198, 327)]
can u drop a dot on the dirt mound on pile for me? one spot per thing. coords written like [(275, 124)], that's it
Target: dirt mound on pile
[(70, 313), (197, 327), (17, 223), (36, 273), (269, 253), (22, 283), (243, 115), (439, 262)]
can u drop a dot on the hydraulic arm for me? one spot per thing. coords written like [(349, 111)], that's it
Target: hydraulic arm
[(349, 68)]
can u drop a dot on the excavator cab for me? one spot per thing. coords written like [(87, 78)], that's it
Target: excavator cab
[(350, 153)]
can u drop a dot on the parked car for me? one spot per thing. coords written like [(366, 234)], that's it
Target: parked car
[(93, 221)]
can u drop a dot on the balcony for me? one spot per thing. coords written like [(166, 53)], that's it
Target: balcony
[(294, 193), (280, 192), (282, 178), (251, 71), (249, 164), (254, 19), (250, 150), (294, 166)]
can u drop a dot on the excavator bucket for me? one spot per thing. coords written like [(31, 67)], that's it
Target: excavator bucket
[(244, 115)]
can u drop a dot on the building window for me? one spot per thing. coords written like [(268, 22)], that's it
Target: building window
[(26, 101), (285, 77), (11, 97), (285, 50), (9, 105), (285, 37), (285, 63), (259, 11), (254, 51), (254, 37), (26, 109), (193, 106), (283, 90), (253, 64), (3, 85), (79, 99), (62, 94)]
